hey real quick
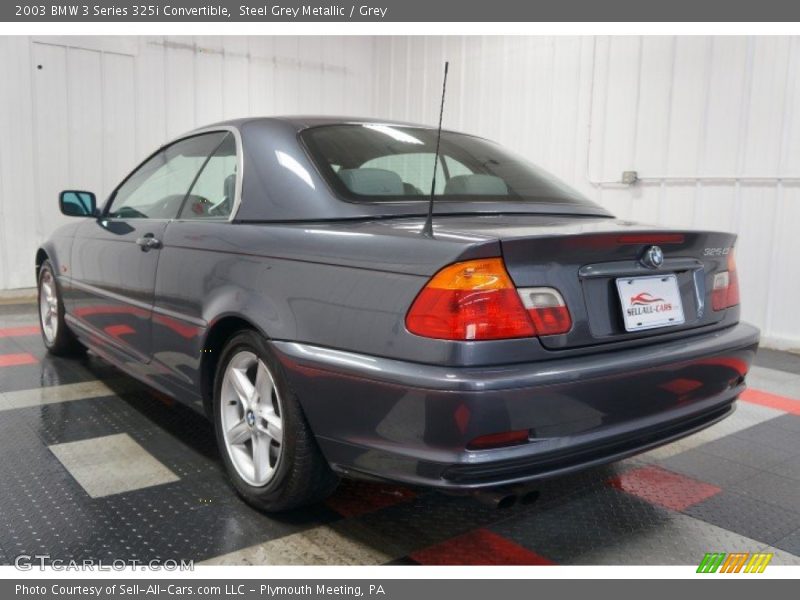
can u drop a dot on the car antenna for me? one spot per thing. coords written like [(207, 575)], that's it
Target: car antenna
[(427, 229)]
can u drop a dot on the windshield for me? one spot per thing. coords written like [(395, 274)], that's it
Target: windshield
[(374, 162)]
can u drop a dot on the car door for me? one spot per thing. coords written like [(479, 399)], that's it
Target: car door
[(191, 267), (115, 257)]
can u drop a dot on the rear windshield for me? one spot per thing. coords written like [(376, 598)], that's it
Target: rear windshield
[(373, 162)]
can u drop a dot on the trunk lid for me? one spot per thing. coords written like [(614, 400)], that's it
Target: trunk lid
[(583, 258)]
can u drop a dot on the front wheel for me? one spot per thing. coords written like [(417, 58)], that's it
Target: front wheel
[(58, 339), (267, 447)]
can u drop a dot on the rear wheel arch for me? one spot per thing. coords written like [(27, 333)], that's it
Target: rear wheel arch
[(222, 330)]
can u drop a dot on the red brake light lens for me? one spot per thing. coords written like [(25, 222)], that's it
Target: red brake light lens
[(651, 238), (471, 300), (725, 292)]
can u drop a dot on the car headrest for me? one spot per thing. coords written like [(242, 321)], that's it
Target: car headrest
[(372, 182), (485, 185), (411, 190), (229, 186)]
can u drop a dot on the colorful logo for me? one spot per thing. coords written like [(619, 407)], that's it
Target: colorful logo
[(644, 299), (735, 562)]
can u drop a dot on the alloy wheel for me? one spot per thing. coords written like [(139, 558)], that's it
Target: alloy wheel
[(48, 307), (251, 418)]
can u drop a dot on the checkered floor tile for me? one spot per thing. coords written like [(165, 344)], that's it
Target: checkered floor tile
[(68, 428)]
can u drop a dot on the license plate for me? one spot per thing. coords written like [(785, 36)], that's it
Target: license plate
[(650, 302)]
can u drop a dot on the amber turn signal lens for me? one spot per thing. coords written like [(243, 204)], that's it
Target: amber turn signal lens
[(471, 300)]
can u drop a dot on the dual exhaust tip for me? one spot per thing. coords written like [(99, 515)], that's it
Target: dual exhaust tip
[(505, 498)]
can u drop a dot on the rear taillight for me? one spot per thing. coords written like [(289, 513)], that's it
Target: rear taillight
[(476, 300), (472, 300), (547, 310), (725, 291)]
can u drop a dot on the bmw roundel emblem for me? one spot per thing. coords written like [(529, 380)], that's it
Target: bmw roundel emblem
[(653, 257)]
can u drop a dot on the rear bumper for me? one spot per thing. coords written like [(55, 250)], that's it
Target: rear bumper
[(401, 421)]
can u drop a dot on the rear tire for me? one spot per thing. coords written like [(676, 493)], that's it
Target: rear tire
[(266, 445), (57, 337)]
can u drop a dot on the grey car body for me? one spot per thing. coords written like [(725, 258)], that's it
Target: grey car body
[(328, 282)]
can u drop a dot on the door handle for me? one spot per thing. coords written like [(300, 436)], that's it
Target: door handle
[(148, 242)]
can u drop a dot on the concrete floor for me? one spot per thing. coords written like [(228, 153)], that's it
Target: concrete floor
[(96, 466)]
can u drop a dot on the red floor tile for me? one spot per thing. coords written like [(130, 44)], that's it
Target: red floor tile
[(19, 331), (479, 547), (13, 360), (354, 498), (766, 399), (664, 488)]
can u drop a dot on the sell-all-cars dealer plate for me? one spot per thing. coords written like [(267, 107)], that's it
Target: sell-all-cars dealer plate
[(650, 302)]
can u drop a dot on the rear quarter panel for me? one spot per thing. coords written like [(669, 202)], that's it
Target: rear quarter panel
[(347, 287)]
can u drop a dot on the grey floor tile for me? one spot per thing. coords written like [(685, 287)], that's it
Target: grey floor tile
[(790, 422), (788, 468), (775, 359), (762, 377), (747, 516), (709, 468), (752, 454), (790, 543), (770, 434), (772, 488)]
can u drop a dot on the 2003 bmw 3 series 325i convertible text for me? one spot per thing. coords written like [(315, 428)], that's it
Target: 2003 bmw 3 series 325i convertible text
[(278, 274)]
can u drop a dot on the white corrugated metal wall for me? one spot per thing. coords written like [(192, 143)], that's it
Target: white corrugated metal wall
[(710, 124), (79, 112)]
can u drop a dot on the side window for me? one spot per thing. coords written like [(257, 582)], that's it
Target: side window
[(157, 189), (212, 194)]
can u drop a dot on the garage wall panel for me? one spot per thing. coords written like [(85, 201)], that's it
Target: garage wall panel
[(118, 93), (655, 76), (766, 107), (151, 100), (51, 132), (100, 105), (20, 227), (727, 95), (182, 93), (84, 105), (235, 90), (210, 79)]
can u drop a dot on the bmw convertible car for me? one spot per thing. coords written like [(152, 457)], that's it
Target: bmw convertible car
[(279, 275)]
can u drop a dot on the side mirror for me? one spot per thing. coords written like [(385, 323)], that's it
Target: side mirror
[(77, 204)]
